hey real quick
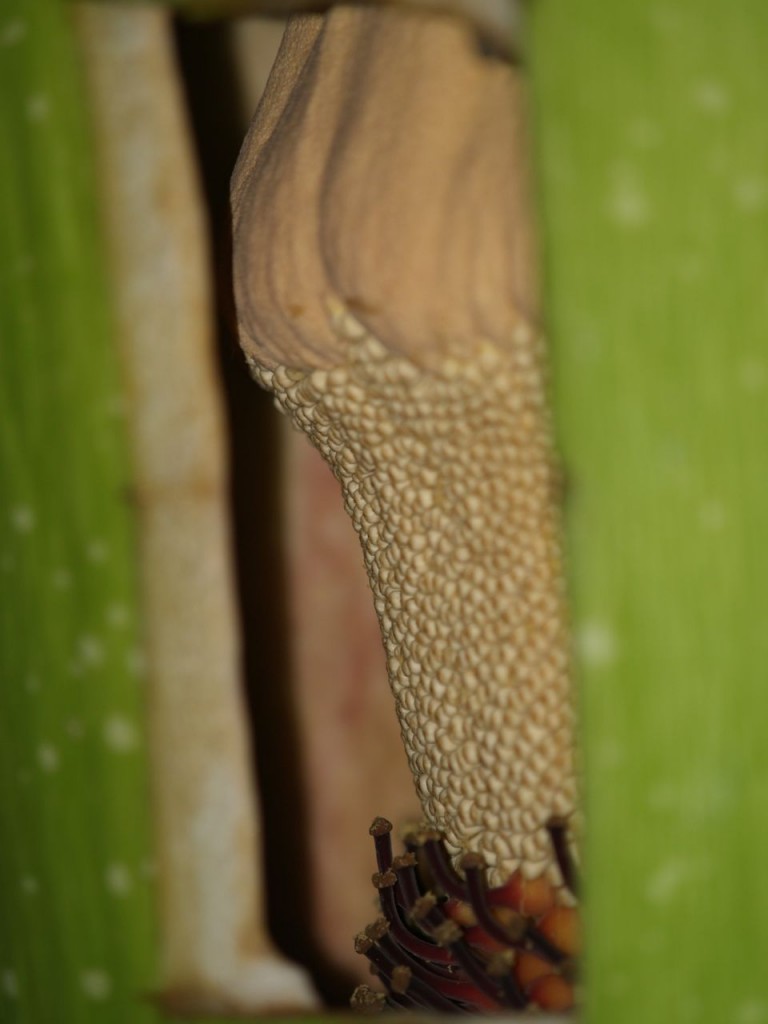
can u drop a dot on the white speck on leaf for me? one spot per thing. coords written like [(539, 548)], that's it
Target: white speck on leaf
[(627, 203), (690, 268), (23, 519), (148, 869), (9, 983), (30, 885), (609, 755), (95, 984), (75, 729), (118, 615), (38, 107), (643, 133), (666, 881), (24, 266), (13, 32), (712, 515), (597, 644), (61, 579), (32, 683), (666, 20), (120, 734), (118, 880), (752, 375), (751, 1011), (115, 407), (136, 663), (711, 97), (48, 758), (90, 651), (704, 797), (678, 876), (96, 552), (750, 193)]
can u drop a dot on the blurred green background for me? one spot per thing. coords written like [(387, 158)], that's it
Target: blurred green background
[(653, 174)]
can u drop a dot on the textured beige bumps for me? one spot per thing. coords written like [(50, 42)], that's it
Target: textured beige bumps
[(382, 265)]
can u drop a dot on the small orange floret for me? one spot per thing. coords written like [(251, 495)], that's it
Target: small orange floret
[(552, 992), (562, 927), (529, 968), (530, 896), (460, 912)]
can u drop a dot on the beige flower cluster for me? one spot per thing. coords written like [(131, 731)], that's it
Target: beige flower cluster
[(447, 475)]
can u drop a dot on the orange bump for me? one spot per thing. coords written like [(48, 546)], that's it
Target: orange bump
[(561, 926), (552, 993), (529, 968), (530, 896)]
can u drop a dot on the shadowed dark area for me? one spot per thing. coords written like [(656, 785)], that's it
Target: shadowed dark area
[(255, 462)]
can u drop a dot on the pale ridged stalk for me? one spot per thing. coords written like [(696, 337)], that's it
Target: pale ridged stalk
[(215, 953)]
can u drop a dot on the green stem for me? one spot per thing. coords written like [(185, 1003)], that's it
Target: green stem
[(75, 873), (654, 172)]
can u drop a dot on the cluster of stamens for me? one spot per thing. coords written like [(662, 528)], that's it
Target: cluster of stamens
[(448, 943)]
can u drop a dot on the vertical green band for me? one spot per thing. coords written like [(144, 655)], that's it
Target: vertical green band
[(653, 169), (75, 872)]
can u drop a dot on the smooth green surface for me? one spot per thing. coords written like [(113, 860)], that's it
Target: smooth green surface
[(75, 920), (76, 923), (653, 168)]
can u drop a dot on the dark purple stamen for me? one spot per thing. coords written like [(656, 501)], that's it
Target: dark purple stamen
[(424, 957), (450, 935), (511, 933), (558, 833), (377, 944), (440, 865), (416, 945), (386, 970), (407, 879), (381, 830), (520, 931), (448, 985)]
